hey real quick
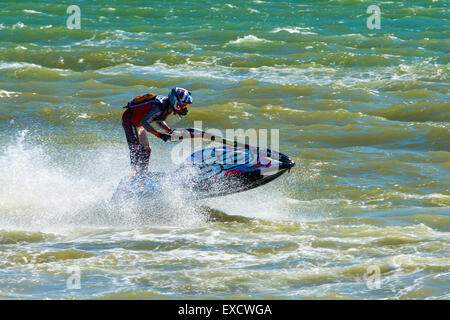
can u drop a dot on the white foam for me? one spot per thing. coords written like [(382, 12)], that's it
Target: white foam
[(248, 39), (42, 190), (314, 75), (17, 65), (253, 10), (294, 30), (8, 94), (19, 25), (37, 193), (32, 11)]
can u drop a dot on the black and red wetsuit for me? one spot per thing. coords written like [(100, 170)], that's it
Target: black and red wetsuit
[(139, 115)]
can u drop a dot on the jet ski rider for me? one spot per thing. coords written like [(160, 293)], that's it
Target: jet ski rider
[(138, 116)]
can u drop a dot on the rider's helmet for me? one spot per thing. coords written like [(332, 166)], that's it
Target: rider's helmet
[(179, 98)]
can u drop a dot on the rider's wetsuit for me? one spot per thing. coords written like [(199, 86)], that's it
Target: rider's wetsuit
[(141, 115)]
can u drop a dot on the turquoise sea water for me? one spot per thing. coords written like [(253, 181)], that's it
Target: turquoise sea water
[(363, 112)]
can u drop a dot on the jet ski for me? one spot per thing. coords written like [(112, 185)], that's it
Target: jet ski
[(210, 172)]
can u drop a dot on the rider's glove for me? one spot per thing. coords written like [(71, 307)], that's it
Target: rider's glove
[(163, 136)]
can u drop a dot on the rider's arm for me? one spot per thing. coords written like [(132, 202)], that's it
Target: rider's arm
[(164, 125), (150, 129), (149, 117)]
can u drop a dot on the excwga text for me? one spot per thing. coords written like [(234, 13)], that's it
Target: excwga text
[(226, 309)]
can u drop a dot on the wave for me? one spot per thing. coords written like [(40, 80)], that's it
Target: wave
[(310, 74), (17, 65), (20, 236), (420, 111), (293, 30), (249, 39)]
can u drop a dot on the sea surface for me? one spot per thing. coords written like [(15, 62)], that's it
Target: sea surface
[(365, 114)]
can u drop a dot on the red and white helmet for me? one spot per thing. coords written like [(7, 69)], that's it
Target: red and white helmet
[(179, 98)]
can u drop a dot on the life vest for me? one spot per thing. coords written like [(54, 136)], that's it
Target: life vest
[(145, 98), (137, 108)]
